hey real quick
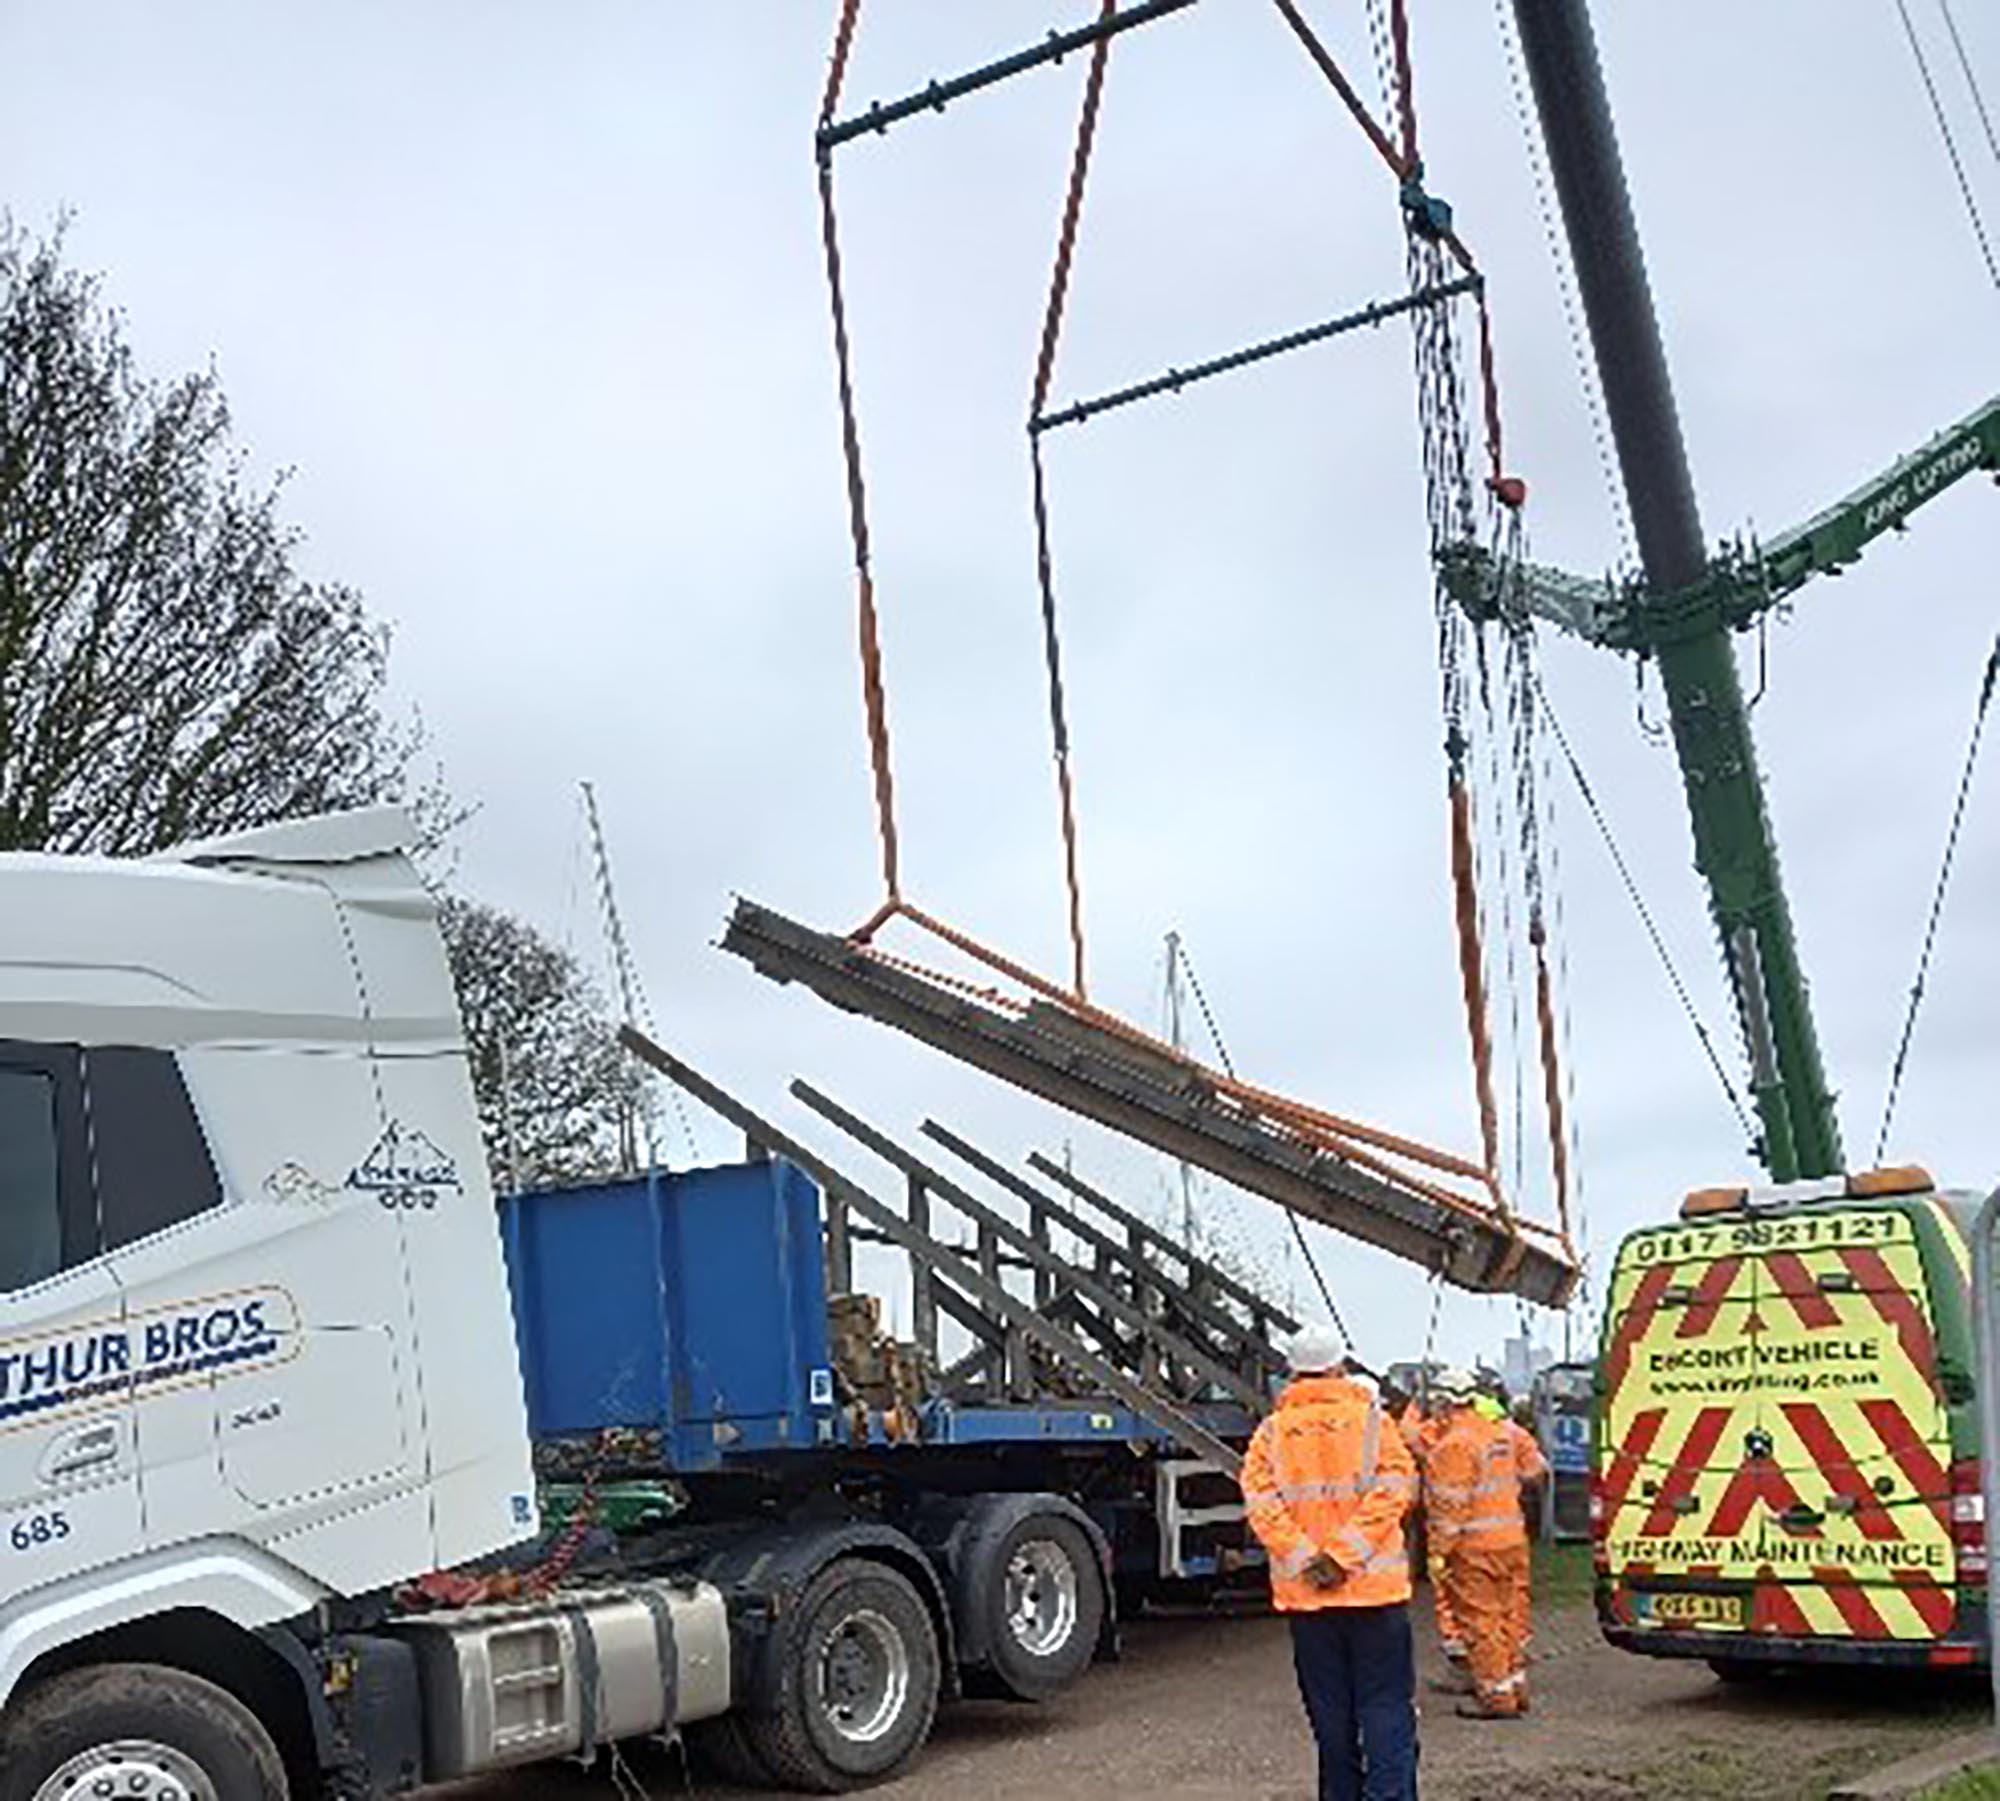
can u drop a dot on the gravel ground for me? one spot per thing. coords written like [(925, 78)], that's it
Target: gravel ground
[(1206, 1707)]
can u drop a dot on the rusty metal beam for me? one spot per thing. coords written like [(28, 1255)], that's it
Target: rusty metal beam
[(1091, 1074)]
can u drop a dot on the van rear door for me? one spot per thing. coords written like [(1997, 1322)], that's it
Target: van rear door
[(1680, 1409), (1856, 1532), (1775, 1451)]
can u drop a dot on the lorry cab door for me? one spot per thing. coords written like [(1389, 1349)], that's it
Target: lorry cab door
[(69, 1484), (1856, 1526), (264, 1316), (426, 1180), (265, 1305), (1680, 1415)]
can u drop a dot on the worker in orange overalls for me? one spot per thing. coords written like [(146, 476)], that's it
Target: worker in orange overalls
[(1326, 1483), (1534, 1468), (1422, 1421), (1472, 1493)]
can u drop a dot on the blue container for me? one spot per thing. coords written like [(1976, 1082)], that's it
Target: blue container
[(689, 1303)]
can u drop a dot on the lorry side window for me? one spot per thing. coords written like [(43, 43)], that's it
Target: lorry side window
[(153, 1166), (31, 1237)]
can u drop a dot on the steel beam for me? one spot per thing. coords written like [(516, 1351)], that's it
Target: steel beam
[(1132, 1318), (1176, 379), (1195, 1311), (1160, 1104), (1017, 1315), (1143, 1228), (937, 95)]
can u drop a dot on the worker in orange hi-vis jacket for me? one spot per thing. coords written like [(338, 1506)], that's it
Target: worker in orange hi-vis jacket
[(1472, 1494), (1326, 1483), (1534, 1468), (1421, 1426)]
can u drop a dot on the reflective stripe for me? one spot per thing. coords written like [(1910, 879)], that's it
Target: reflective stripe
[(1487, 1522), (1293, 1563), (1358, 1542), (1371, 1441), (1318, 1491), (1330, 1491), (1393, 1558)]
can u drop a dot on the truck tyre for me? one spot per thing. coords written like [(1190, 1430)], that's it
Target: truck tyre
[(859, 1675), (1043, 1600), (136, 1732), (722, 1747)]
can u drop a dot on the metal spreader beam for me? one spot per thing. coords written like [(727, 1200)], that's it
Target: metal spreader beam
[(1162, 1104)]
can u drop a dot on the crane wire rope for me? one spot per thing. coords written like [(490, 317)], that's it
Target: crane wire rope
[(1227, 1225), (1950, 137), (1498, 803), (1223, 1215), (1298, 1231), (1588, 795), (1566, 289), (1917, 988), (1572, 1137), (1529, 745), (1448, 480)]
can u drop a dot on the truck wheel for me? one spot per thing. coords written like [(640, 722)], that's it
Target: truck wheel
[(858, 1681), (1044, 1605), (136, 1732), (722, 1747)]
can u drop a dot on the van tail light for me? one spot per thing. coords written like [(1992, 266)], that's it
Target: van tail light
[(1968, 1518), (1600, 1524)]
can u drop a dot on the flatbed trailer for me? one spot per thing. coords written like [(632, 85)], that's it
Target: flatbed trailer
[(1056, 1442)]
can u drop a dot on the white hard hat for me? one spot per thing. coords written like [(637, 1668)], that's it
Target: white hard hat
[(1313, 1350), (1456, 1384)]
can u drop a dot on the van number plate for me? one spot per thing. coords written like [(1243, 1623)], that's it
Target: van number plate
[(1681, 1609)]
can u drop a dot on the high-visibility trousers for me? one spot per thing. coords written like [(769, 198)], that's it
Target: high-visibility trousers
[(1490, 1589), (1451, 1635), (1524, 1621)]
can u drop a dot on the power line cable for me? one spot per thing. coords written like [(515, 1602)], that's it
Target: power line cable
[(1950, 137), (1986, 687), (1971, 77)]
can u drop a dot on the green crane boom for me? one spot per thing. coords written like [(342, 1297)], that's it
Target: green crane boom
[(1686, 632)]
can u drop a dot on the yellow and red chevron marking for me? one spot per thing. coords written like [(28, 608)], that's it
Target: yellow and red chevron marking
[(1772, 1418)]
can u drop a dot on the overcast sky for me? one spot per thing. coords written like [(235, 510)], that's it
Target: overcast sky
[(528, 298)]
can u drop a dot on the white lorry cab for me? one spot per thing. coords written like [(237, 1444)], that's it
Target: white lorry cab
[(278, 1413), (257, 1362)]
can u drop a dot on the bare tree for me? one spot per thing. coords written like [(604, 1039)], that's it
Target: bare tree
[(559, 1101), (165, 668)]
